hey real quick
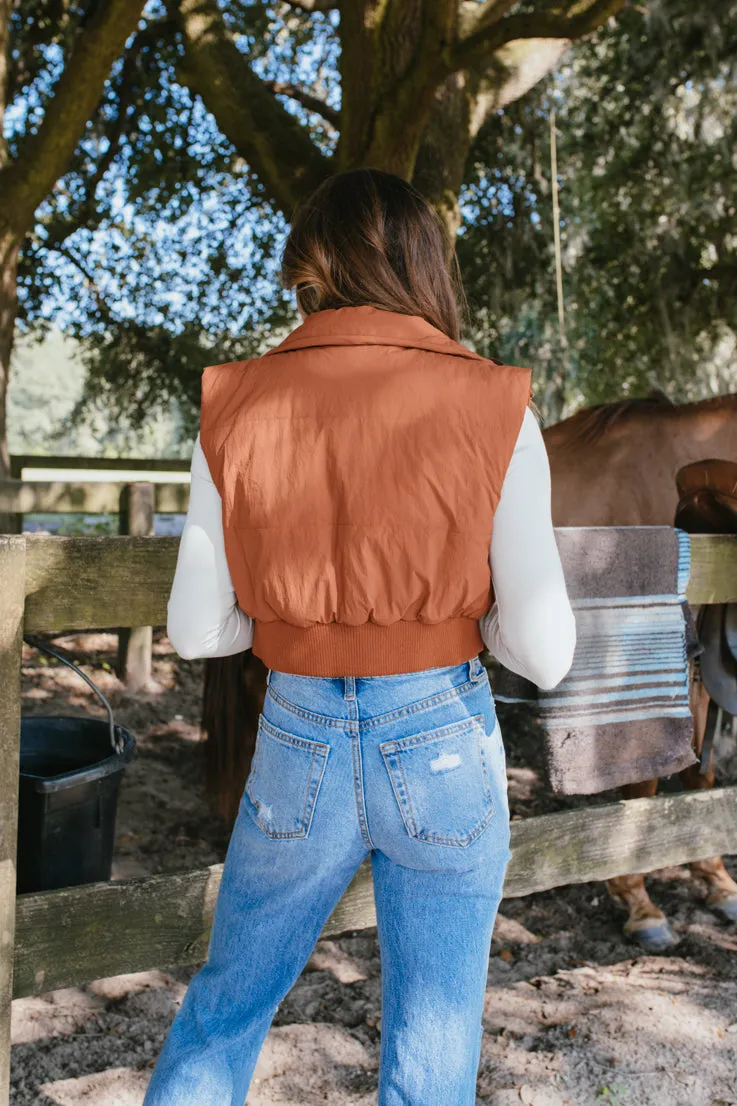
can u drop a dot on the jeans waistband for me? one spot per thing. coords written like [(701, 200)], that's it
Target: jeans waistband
[(475, 671)]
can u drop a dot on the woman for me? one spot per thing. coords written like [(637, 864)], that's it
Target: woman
[(344, 487)]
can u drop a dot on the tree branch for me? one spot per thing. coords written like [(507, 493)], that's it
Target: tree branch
[(105, 310), (6, 10), (477, 48), (275, 145), (45, 155), (512, 71), (306, 99), (474, 18), (409, 38), (85, 211), (312, 5)]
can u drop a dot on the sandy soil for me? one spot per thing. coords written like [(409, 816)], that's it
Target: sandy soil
[(574, 1014)]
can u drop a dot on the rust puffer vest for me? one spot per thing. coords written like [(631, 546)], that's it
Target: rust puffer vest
[(360, 463)]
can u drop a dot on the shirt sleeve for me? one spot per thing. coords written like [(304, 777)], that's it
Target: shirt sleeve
[(204, 619), (530, 627)]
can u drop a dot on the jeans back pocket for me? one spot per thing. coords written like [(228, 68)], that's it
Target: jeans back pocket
[(284, 780), (442, 782)]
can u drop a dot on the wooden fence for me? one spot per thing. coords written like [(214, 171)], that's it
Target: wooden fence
[(135, 503), (74, 935), (19, 498), (25, 497), (21, 461)]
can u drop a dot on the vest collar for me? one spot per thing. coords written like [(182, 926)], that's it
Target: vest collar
[(363, 325)]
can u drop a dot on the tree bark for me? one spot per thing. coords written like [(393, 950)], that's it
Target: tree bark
[(6, 10), (548, 21), (443, 151), (9, 247), (462, 104), (273, 142)]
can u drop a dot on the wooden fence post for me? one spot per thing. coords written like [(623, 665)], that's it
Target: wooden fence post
[(12, 523), (136, 518), (12, 599)]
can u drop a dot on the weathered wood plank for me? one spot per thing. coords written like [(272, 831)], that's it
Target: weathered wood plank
[(102, 929), (122, 581), (70, 936), (91, 498), (97, 583), (12, 591), (713, 569), (19, 461), (636, 835)]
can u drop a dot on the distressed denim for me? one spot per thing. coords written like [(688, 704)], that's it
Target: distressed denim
[(409, 769)]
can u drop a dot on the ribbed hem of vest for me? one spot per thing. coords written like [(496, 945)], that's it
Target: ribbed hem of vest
[(332, 649)]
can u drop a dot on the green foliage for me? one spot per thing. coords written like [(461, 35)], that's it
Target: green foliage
[(647, 129), (77, 526)]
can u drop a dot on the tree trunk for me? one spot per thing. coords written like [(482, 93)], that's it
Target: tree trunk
[(9, 247), (441, 159)]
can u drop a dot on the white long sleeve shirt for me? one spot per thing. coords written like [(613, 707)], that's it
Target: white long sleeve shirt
[(530, 627)]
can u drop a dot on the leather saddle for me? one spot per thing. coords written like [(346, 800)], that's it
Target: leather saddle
[(707, 504)]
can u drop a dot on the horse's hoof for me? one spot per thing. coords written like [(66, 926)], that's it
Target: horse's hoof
[(654, 937), (726, 910)]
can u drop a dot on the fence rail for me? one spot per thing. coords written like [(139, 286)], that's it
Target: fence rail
[(67, 937), (165, 920), (26, 497), (21, 461)]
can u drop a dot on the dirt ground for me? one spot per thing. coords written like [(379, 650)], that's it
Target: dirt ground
[(574, 1014)]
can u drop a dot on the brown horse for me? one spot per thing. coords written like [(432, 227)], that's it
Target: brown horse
[(615, 465)]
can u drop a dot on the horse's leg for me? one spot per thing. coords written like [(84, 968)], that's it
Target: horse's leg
[(232, 702), (645, 924), (720, 890)]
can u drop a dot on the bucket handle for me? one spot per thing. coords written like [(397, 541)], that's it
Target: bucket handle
[(115, 740)]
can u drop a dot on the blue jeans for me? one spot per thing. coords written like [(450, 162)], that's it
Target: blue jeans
[(409, 769)]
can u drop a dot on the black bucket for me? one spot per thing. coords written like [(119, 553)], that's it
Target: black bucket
[(70, 773)]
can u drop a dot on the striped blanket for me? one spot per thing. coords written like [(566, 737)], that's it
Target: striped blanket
[(621, 714)]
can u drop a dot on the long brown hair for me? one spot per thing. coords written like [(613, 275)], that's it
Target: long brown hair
[(369, 237)]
